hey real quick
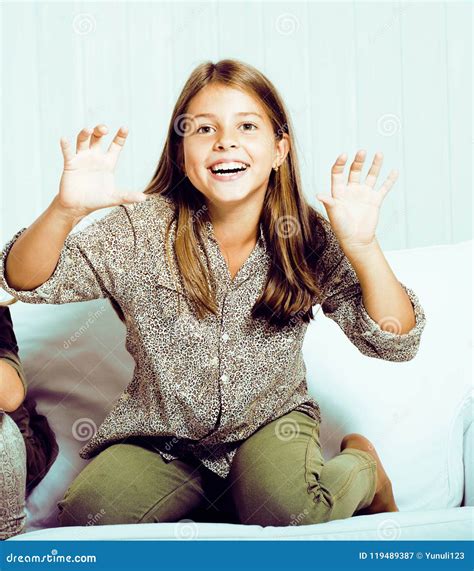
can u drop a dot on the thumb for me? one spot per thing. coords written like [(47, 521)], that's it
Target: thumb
[(131, 197), (326, 200)]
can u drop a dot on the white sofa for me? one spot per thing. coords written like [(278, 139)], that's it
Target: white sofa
[(417, 413)]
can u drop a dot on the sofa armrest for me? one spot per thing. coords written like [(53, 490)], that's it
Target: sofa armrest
[(468, 459)]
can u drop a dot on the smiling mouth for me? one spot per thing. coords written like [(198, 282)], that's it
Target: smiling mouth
[(228, 172), (231, 173), (228, 175)]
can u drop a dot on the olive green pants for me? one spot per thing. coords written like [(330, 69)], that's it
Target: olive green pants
[(278, 477)]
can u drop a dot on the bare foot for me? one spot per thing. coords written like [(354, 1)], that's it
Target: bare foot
[(384, 500)]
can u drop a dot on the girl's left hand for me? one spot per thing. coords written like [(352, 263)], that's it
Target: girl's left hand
[(353, 207)]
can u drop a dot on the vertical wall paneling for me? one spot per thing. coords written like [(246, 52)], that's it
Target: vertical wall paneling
[(458, 86), (391, 76), (425, 124), (286, 30), (378, 88), (332, 85)]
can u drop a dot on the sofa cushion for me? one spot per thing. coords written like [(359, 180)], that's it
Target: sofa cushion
[(453, 524), (76, 366)]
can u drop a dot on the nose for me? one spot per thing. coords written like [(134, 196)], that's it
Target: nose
[(225, 140), (222, 145)]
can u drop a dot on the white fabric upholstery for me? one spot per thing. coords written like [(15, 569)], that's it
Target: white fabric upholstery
[(468, 456), (453, 524)]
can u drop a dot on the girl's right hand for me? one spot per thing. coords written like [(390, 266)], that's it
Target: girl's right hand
[(87, 183)]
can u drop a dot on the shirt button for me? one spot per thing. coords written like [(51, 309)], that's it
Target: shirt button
[(224, 378), (214, 361), (225, 337)]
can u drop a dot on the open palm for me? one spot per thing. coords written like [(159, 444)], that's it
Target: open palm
[(353, 207), (88, 181)]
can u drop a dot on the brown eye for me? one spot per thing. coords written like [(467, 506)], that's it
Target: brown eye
[(203, 127)]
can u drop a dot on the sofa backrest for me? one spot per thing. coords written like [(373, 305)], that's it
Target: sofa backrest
[(414, 412)]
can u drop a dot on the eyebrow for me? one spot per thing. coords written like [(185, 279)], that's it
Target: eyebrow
[(240, 114)]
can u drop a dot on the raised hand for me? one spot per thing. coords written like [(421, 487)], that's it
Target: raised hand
[(87, 182), (353, 207)]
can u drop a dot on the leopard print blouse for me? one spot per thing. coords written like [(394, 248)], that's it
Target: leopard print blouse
[(201, 387)]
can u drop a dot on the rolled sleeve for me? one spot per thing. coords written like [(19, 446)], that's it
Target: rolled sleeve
[(343, 303), (390, 345), (86, 264)]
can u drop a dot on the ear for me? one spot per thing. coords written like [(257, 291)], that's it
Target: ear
[(282, 148)]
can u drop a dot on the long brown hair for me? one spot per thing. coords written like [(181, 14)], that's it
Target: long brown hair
[(292, 228)]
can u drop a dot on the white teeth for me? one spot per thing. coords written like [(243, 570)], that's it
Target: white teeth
[(228, 174), (228, 166)]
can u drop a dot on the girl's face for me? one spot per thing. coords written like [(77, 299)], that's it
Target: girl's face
[(228, 124)]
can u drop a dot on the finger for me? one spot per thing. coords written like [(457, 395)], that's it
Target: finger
[(337, 171), (374, 171), (389, 182), (356, 166), (66, 149), (119, 141), (82, 142), (99, 132)]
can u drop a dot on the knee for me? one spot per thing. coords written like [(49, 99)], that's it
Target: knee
[(72, 507), (263, 495), (258, 503), (81, 506), (12, 478), (12, 445)]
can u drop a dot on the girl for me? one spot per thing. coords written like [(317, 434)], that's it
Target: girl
[(28, 446), (214, 269)]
